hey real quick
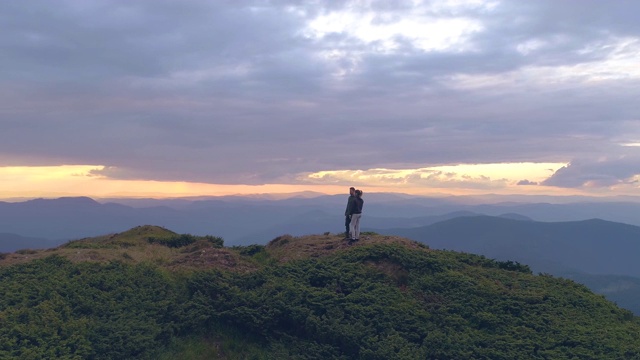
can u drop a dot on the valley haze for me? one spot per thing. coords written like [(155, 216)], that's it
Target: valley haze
[(257, 219)]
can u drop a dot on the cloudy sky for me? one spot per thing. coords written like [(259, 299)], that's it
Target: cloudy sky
[(171, 98)]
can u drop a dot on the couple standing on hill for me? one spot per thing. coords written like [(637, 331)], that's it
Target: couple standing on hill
[(353, 214)]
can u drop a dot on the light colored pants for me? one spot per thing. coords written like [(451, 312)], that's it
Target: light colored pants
[(354, 227)]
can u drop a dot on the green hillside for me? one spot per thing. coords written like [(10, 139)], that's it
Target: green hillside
[(152, 294)]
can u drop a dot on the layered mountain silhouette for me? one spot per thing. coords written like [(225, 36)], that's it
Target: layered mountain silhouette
[(594, 246), (248, 220)]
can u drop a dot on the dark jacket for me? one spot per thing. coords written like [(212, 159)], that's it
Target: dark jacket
[(355, 206), (352, 198)]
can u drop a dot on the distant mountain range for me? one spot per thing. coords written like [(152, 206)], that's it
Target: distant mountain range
[(595, 243), (13, 242), (245, 220), (595, 246)]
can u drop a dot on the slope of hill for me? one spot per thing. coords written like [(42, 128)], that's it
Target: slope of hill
[(143, 244), (128, 295), (597, 253), (622, 290)]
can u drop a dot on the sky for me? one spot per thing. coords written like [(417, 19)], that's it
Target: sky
[(160, 98)]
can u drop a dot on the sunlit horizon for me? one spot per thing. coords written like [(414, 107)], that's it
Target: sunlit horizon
[(30, 182)]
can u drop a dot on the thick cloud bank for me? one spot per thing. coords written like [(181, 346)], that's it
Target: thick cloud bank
[(258, 92)]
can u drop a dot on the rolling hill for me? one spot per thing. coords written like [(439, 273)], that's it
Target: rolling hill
[(149, 292), (597, 253)]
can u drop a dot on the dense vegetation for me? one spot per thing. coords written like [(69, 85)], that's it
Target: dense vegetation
[(53, 308), (374, 301), (177, 241)]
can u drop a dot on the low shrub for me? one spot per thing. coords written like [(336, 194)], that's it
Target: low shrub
[(281, 240), (182, 240), (26, 251)]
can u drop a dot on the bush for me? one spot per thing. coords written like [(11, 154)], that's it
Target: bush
[(26, 251), (215, 241), (514, 266), (55, 309), (182, 240), (250, 250), (281, 240)]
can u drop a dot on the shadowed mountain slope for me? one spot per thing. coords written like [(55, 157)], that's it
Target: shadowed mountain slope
[(593, 246), (13, 242)]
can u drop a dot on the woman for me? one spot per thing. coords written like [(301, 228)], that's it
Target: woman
[(355, 213)]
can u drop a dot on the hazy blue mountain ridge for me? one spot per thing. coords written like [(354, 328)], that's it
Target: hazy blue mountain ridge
[(244, 220), (596, 246), (597, 253), (13, 242)]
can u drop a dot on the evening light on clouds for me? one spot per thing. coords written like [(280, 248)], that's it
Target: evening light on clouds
[(190, 98)]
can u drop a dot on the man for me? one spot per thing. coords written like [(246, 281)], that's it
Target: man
[(355, 215), (347, 216)]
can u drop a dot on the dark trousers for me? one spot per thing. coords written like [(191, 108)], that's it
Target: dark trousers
[(347, 223)]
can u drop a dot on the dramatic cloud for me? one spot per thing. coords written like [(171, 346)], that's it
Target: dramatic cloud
[(601, 173), (254, 92)]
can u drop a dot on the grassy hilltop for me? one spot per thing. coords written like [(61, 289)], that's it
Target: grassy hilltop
[(150, 293)]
